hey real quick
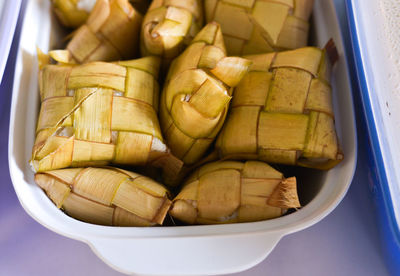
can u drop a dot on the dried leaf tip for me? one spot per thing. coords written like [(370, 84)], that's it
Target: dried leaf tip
[(43, 59), (285, 194)]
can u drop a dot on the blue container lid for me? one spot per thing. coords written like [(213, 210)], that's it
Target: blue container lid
[(9, 11), (375, 33)]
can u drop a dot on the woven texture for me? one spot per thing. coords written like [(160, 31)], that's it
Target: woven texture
[(282, 112), (68, 13), (260, 26), (97, 113), (169, 26), (197, 92), (229, 191), (110, 33), (106, 196)]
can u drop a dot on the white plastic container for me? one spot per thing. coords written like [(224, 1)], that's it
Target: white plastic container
[(184, 250)]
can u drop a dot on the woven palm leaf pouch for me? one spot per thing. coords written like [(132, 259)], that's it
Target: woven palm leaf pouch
[(100, 113), (282, 111)]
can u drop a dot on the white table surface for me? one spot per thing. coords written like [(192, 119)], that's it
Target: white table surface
[(346, 242)]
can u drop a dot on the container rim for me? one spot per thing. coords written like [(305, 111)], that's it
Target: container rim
[(39, 207)]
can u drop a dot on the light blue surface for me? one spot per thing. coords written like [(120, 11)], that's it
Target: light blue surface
[(9, 11), (346, 242)]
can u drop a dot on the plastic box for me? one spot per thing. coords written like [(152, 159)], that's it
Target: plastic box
[(183, 250), (375, 33)]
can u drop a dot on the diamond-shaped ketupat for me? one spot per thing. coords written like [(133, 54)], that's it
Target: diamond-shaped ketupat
[(260, 26), (111, 32), (100, 113), (282, 112)]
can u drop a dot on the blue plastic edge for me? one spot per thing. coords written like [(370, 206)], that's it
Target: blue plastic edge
[(386, 217)]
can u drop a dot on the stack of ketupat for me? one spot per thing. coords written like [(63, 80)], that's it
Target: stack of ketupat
[(100, 113)]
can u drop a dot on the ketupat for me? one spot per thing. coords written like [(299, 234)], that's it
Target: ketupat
[(107, 196), (110, 33), (282, 112), (260, 26), (169, 26), (230, 191), (72, 13), (100, 113), (196, 95)]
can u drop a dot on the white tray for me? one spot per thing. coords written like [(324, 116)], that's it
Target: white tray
[(185, 250)]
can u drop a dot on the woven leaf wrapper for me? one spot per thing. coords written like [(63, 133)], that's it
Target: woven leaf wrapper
[(100, 113), (107, 196), (74, 13), (169, 26), (260, 26), (71, 13), (195, 98), (110, 33), (282, 112), (230, 191)]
